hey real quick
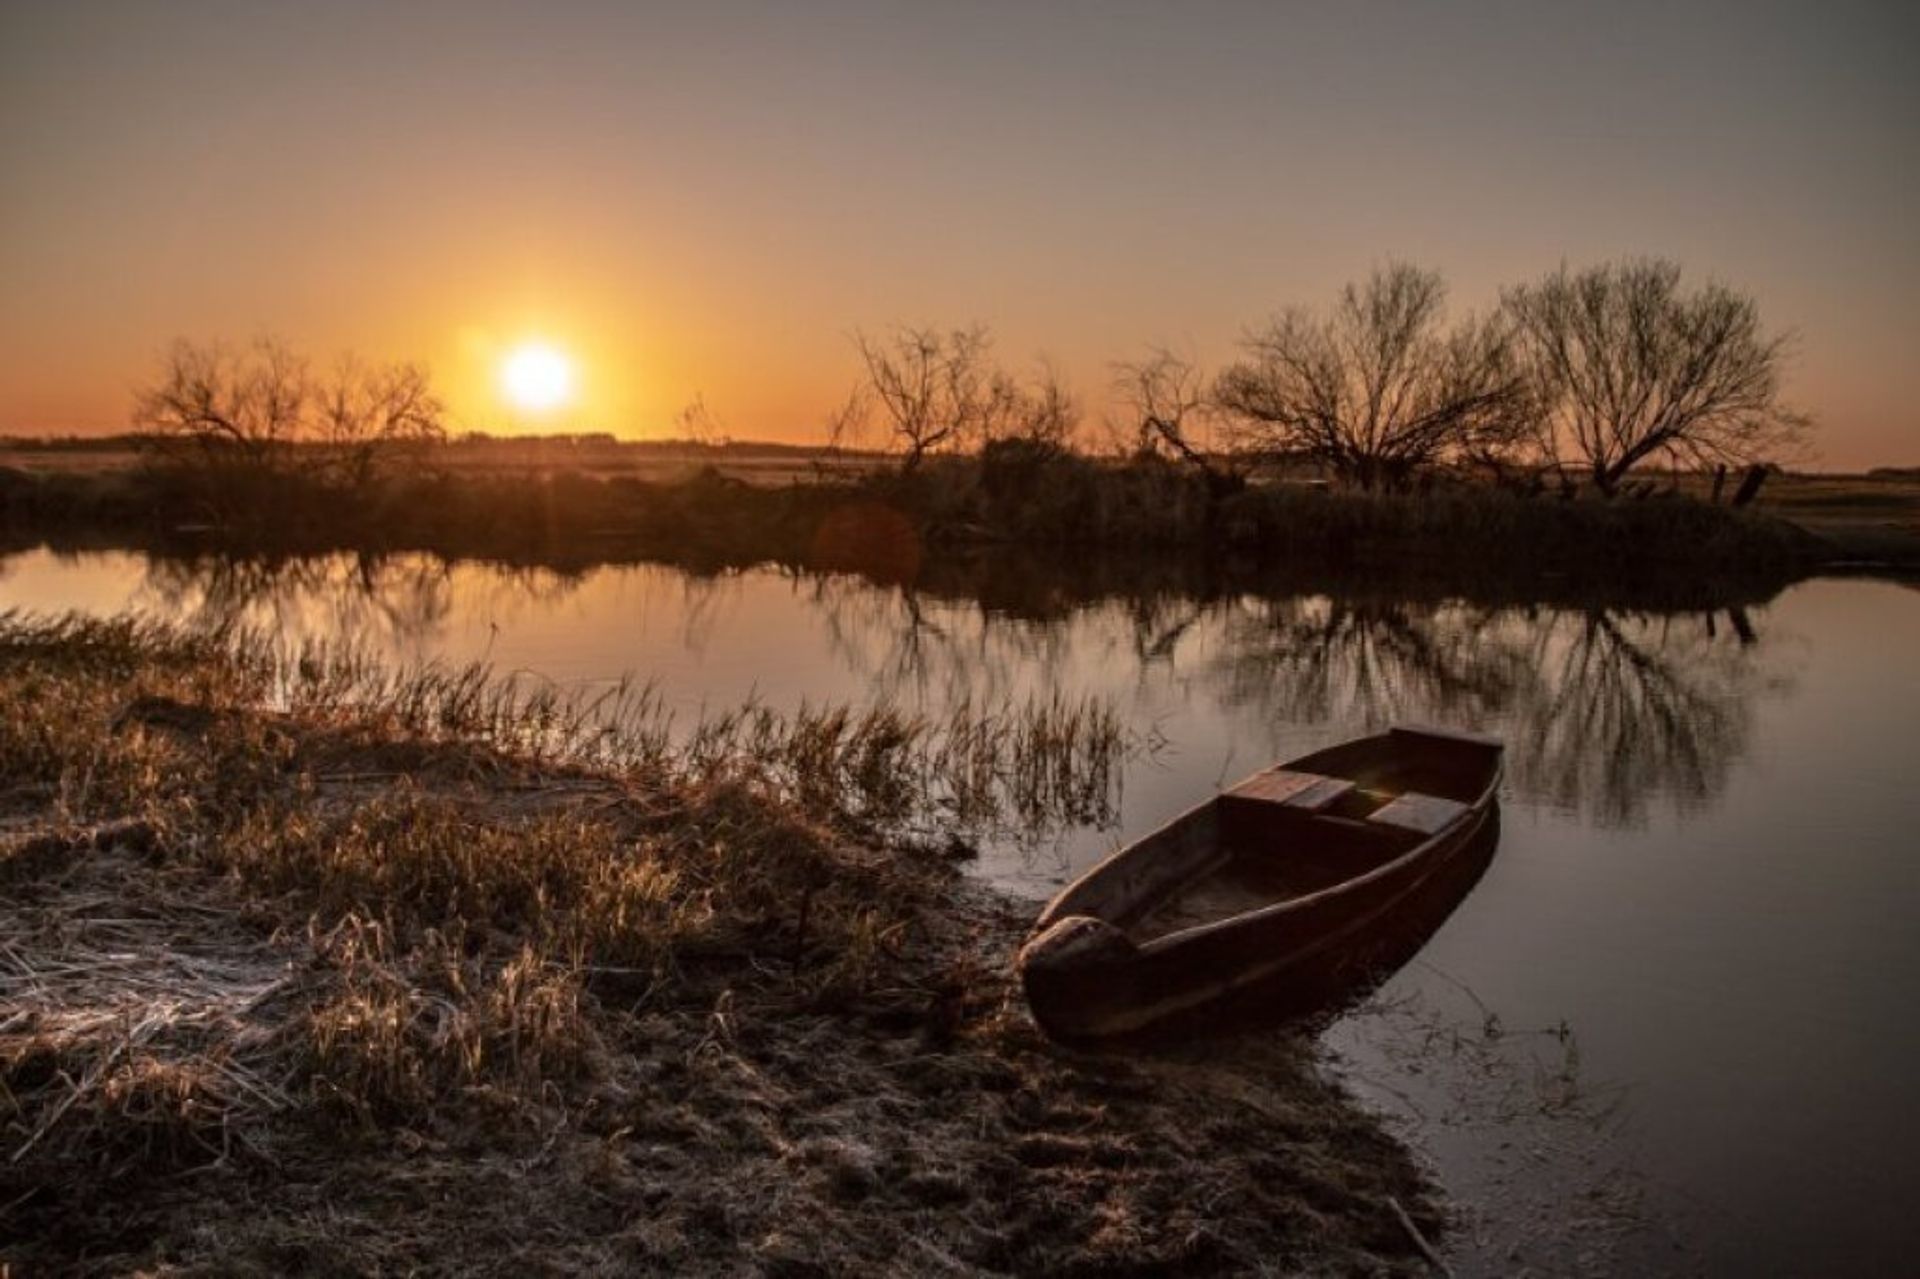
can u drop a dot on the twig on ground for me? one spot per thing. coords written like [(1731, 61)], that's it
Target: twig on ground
[(1427, 1250)]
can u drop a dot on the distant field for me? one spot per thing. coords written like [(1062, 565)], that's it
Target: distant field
[(1871, 517), (761, 464), (72, 461)]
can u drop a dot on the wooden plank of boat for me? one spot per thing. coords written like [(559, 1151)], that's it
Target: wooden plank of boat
[(1309, 791), (1427, 814), (1284, 872)]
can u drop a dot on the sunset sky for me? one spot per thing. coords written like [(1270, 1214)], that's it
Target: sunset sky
[(710, 199)]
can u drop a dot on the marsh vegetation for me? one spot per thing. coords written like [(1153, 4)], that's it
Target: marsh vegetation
[(506, 982)]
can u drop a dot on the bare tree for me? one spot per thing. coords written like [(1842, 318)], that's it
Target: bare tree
[(369, 416), (1043, 412), (1628, 369), (933, 387), (233, 425), (1165, 397), (941, 390), (1378, 389), (845, 425), (240, 415), (232, 411)]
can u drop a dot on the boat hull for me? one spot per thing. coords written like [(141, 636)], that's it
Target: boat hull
[(1086, 979)]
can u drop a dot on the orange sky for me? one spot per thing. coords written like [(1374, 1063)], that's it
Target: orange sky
[(711, 204)]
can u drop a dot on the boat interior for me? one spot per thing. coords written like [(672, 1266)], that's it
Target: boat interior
[(1294, 830)]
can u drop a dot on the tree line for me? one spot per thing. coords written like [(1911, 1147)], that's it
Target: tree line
[(1595, 372), (1592, 373)]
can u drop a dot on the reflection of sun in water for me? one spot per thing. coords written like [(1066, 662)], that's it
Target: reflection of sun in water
[(537, 377)]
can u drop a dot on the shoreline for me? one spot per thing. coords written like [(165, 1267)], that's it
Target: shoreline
[(888, 524), (335, 987)]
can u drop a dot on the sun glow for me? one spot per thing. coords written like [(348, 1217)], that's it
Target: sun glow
[(537, 377)]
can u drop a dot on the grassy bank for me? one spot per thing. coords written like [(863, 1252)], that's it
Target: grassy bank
[(888, 523), (309, 968)]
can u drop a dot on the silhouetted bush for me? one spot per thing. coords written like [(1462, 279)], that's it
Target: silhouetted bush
[(1017, 492)]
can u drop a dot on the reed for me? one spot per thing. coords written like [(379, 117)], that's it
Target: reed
[(511, 977), (454, 935)]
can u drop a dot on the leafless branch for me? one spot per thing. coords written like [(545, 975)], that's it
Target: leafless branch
[(1378, 389), (1630, 370)]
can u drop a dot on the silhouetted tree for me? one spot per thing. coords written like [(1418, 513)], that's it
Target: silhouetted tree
[(934, 388), (1379, 388), (943, 391), (234, 418), (1165, 399), (1628, 368), (366, 417), (1043, 412), (232, 411)]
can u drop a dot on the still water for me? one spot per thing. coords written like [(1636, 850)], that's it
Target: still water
[(1672, 1028)]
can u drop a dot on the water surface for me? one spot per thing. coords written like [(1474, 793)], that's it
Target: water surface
[(1674, 1015)]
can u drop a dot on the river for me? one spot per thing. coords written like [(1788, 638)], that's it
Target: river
[(1670, 1030)]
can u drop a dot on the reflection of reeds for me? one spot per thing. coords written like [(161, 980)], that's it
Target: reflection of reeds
[(1029, 765), (1045, 760)]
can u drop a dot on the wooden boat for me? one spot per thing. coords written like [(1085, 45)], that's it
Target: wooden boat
[(1292, 873)]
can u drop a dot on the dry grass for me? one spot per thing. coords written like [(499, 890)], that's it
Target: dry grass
[(308, 968)]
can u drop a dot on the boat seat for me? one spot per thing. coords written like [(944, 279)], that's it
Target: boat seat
[(1307, 792), (1426, 814)]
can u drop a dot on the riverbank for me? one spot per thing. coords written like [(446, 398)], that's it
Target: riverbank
[(887, 524), (312, 968)]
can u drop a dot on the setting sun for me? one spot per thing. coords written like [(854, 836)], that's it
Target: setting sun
[(537, 378)]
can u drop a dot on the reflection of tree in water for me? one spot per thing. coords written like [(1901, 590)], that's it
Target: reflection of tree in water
[(1313, 659), (507, 595), (1602, 710), (517, 588), (362, 599), (1628, 707), (934, 652), (399, 602)]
